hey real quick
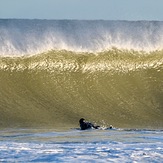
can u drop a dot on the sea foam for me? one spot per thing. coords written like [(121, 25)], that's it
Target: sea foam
[(22, 37)]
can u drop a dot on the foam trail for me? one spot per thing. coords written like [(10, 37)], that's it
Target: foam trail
[(22, 37)]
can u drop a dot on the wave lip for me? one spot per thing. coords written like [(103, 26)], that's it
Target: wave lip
[(23, 37)]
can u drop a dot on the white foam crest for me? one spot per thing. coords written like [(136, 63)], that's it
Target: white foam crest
[(23, 37)]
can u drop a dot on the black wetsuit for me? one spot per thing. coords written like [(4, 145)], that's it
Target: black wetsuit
[(86, 125)]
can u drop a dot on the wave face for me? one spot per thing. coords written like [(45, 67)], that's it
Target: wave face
[(81, 76), (21, 37)]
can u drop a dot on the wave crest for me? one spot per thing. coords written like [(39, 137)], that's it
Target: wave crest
[(112, 61), (22, 37)]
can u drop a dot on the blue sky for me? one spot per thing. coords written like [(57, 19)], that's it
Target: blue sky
[(83, 9)]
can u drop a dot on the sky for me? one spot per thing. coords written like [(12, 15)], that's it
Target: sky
[(82, 9)]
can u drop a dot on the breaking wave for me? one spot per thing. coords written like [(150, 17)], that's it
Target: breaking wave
[(54, 72), (22, 37)]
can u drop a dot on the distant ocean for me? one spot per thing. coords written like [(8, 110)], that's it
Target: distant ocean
[(53, 72)]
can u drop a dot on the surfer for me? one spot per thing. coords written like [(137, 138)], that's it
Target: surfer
[(86, 125)]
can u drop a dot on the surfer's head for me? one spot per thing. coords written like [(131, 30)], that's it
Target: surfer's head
[(81, 120), (111, 127)]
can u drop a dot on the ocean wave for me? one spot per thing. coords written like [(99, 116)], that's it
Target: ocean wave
[(59, 87), (114, 61), (29, 37)]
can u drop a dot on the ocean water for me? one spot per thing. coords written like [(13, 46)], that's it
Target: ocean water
[(53, 72), (40, 145)]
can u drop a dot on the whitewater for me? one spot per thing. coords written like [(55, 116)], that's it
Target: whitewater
[(20, 37), (54, 72)]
